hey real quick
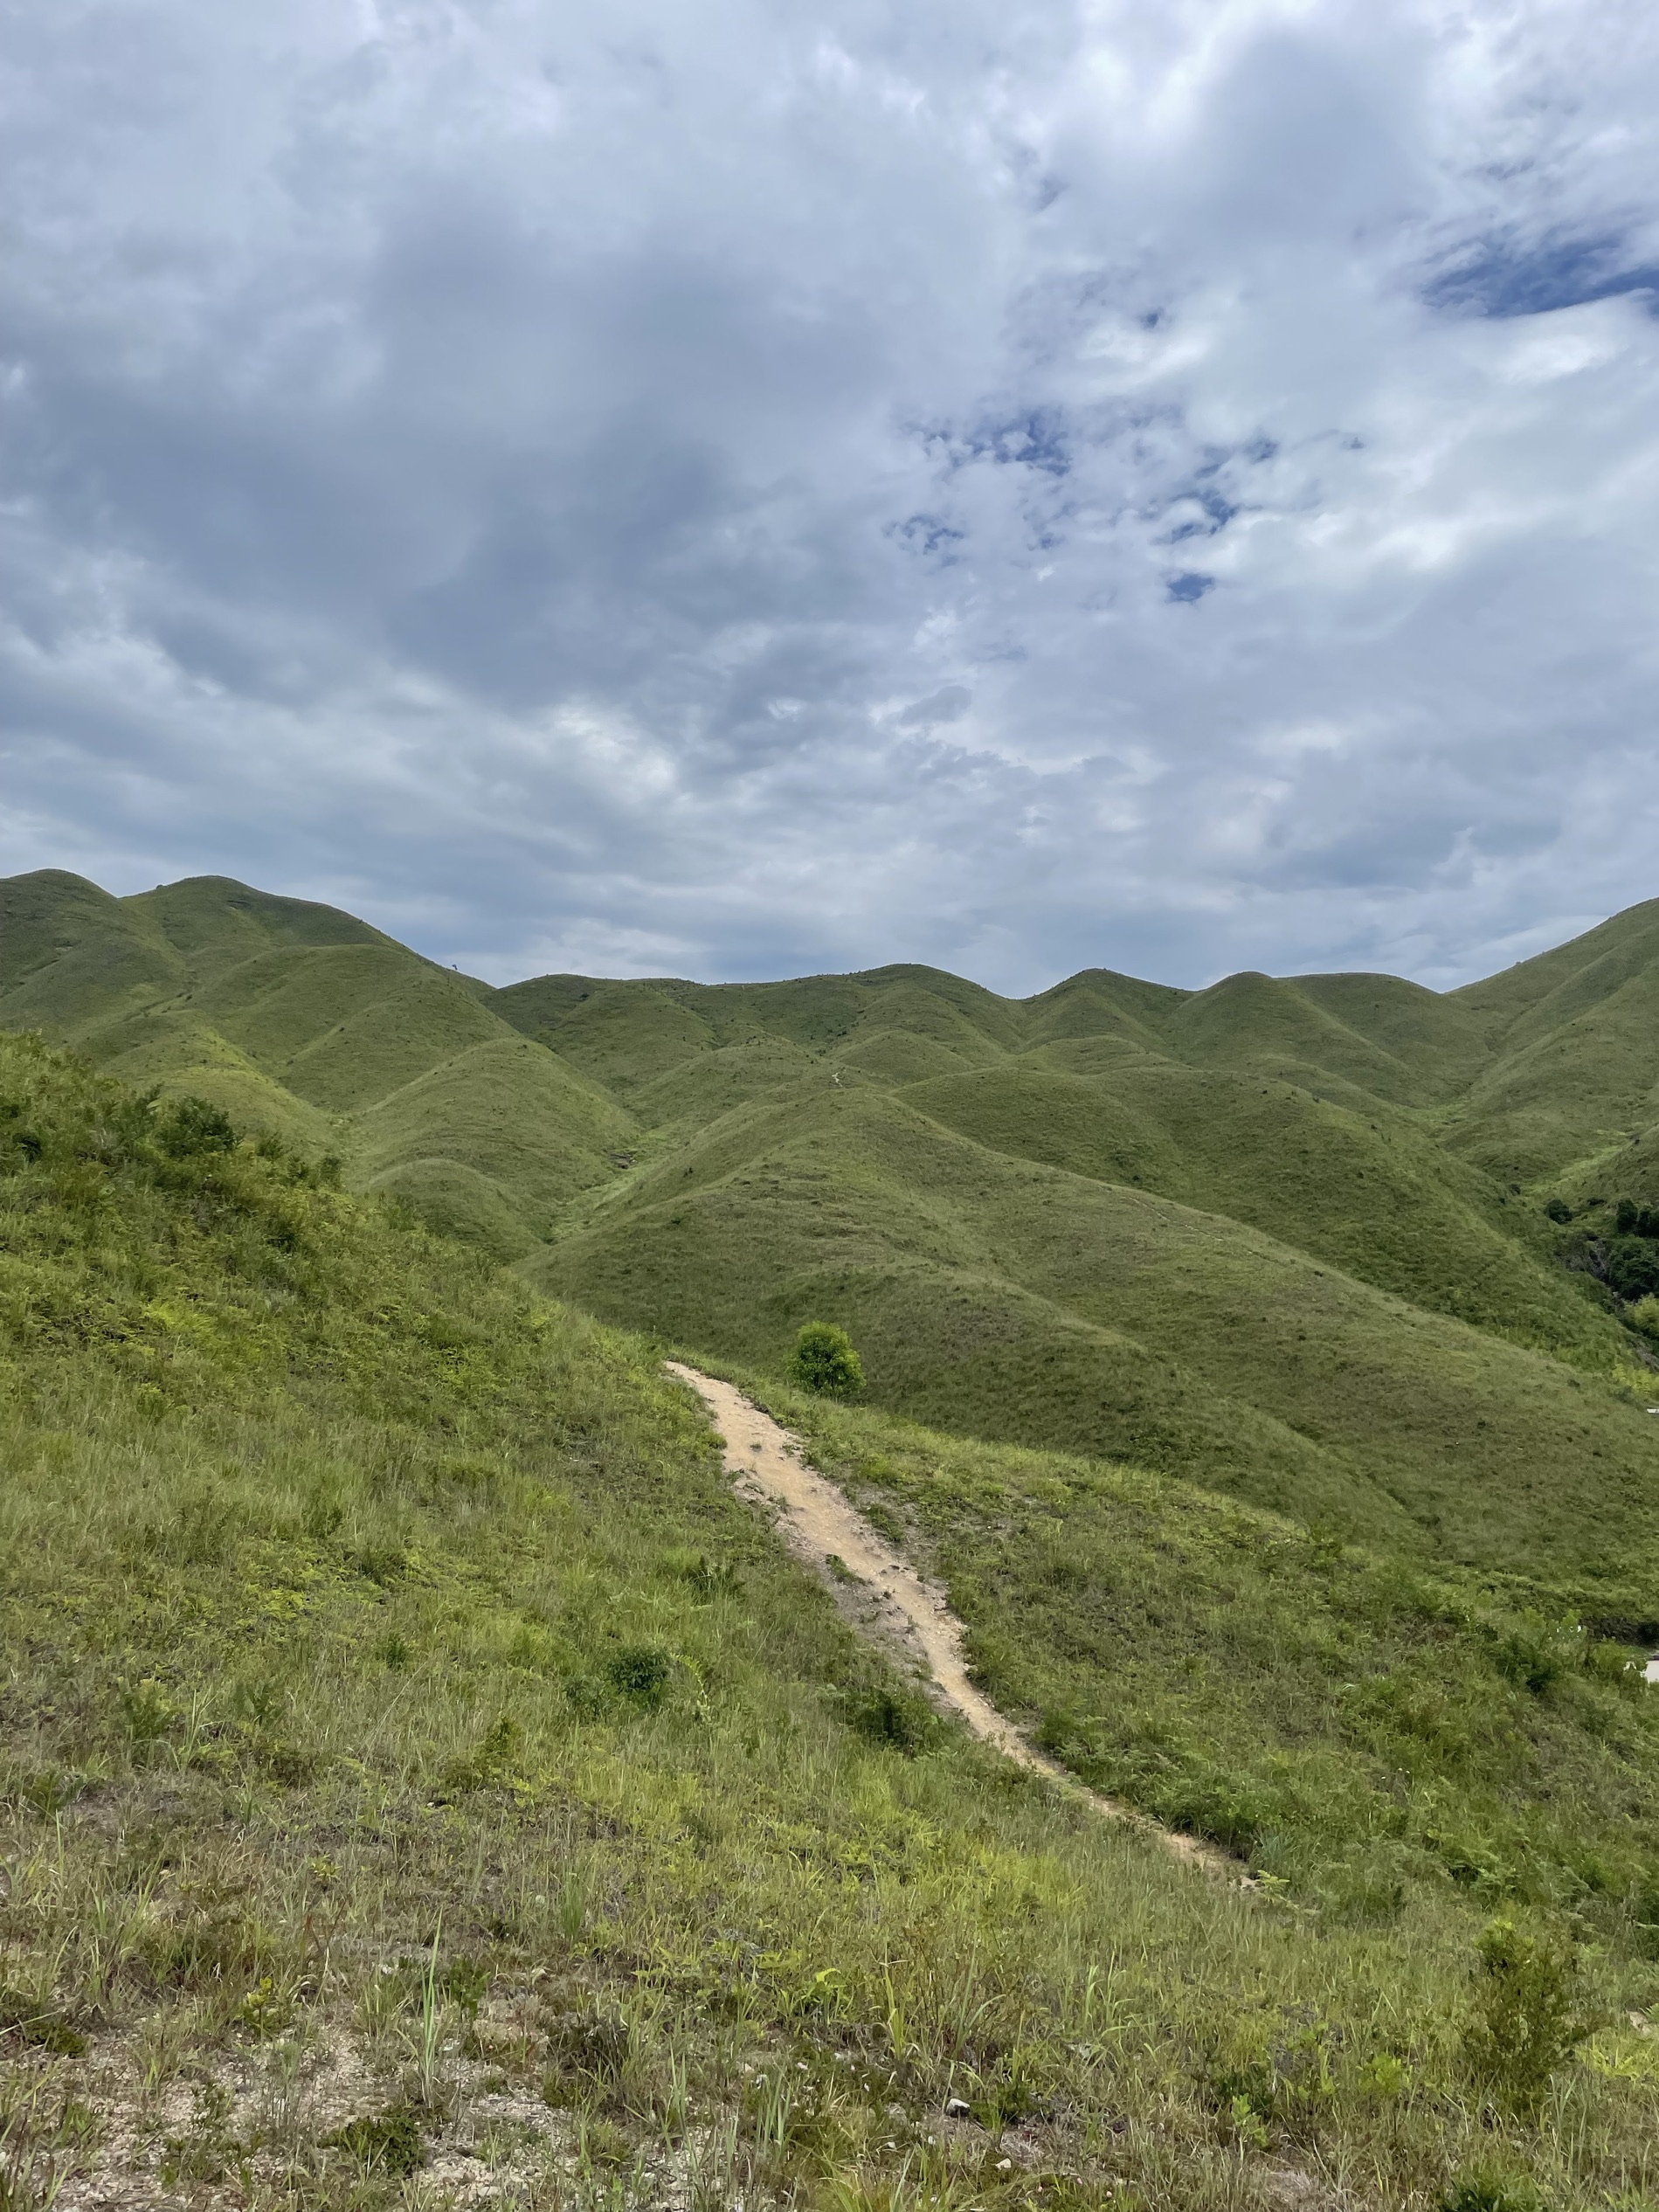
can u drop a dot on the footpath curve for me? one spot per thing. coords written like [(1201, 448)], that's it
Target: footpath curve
[(823, 1528)]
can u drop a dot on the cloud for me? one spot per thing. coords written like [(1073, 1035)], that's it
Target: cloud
[(741, 491), (950, 703)]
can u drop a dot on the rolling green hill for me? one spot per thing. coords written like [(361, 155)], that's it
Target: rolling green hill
[(1578, 1065), (424, 1782), (301, 1020), (1296, 1239), (1033, 1305)]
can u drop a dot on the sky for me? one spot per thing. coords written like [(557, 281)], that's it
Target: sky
[(752, 488)]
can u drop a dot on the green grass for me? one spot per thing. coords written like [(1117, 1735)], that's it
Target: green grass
[(1363, 1730), (1579, 1051), (510, 1112), (304, 1022), (1369, 1192), (412, 1750), (1021, 1302), (1285, 1237)]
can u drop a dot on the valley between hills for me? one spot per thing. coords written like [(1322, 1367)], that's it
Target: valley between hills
[(1289, 1240), (398, 1693)]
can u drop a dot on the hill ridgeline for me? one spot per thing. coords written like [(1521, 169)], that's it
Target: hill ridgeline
[(1337, 1244)]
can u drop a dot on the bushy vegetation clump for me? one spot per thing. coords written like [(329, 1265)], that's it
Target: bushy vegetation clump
[(1633, 1268), (413, 1753), (824, 1360), (1526, 2023)]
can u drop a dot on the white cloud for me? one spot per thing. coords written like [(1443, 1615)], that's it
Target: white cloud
[(1167, 486)]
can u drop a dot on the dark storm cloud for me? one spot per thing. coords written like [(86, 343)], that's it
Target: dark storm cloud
[(735, 491)]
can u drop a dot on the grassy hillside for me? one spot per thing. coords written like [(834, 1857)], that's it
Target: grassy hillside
[(1005, 1300), (419, 1774), (305, 1022), (1575, 1065), (1371, 1192), (1286, 1237), (1361, 1729)]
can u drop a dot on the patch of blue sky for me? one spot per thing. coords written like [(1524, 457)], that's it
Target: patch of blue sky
[(929, 534), (1032, 438), (1503, 278)]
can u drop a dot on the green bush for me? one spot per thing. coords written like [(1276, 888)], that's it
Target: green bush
[(191, 1125), (1534, 1653), (1487, 2187), (1633, 1268), (1525, 2022), (824, 1360), (1644, 1314), (899, 1718), (639, 1672), (38, 2021), (389, 2143)]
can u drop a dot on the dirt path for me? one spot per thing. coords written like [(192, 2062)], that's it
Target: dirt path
[(820, 1526)]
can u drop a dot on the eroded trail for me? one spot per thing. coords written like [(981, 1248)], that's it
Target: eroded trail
[(820, 1524)]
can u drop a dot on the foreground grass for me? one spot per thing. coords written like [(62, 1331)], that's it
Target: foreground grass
[(422, 1780), (1362, 1729)]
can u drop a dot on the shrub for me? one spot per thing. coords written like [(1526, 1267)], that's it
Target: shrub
[(824, 1360), (588, 2051), (1644, 1314), (1633, 1268), (1487, 2188), (389, 2144), (39, 2022), (900, 1719), (1557, 1209), (1610, 1663), (1534, 1653), (1526, 2023), (191, 1125), (492, 1764), (639, 1673)]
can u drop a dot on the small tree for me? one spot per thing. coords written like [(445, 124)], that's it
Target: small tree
[(1525, 2018), (190, 1125), (824, 1360)]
